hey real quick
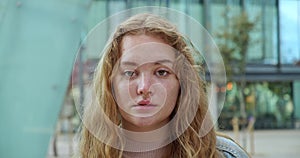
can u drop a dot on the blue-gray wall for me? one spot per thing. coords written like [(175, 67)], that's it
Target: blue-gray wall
[(38, 43)]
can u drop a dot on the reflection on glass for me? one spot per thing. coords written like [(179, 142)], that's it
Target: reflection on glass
[(290, 31), (269, 102)]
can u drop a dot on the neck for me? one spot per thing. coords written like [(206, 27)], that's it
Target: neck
[(159, 153), (158, 135), (137, 142)]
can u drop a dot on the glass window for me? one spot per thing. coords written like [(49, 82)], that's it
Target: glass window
[(289, 31), (262, 47), (271, 103)]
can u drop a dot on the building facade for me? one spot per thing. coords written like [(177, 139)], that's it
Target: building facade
[(272, 59), (39, 41)]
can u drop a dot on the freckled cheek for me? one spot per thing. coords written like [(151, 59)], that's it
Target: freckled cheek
[(124, 92), (173, 90), (166, 92)]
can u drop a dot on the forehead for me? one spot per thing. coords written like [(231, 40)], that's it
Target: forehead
[(144, 49), (130, 41)]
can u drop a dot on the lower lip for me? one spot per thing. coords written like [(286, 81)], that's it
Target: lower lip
[(144, 107)]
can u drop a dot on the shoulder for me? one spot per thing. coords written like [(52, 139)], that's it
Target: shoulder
[(230, 149)]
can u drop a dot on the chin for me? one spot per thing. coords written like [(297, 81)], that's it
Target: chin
[(148, 123)]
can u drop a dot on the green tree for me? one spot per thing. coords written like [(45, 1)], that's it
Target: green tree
[(234, 42)]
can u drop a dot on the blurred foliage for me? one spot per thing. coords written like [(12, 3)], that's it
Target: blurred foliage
[(234, 43)]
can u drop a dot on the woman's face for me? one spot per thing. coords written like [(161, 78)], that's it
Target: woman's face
[(144, 83)]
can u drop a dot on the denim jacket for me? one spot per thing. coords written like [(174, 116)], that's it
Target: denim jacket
[(230, 149)]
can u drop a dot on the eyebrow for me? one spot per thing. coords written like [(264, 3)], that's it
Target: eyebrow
[(129, 63)]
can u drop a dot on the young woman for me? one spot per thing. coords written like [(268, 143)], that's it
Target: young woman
[(148, 99)]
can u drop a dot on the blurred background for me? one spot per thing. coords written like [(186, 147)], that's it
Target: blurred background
[(39, 41)]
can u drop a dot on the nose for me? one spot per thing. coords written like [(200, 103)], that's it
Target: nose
[(144, 84)]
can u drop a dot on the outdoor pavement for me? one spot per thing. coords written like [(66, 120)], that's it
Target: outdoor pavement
[(273, 143), (267, 144)]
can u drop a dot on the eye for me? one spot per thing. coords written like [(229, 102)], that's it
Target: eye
[(162, 73), (130, 73)]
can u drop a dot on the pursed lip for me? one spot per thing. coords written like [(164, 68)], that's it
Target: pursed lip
[(144, 105), (144, 102), (149, 105)]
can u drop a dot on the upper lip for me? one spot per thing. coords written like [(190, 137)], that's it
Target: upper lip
[(144, 102)]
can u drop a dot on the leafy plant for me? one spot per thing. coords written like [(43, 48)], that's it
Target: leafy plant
[(234, 43)]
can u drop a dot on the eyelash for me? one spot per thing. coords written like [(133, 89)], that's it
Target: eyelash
[(131, 74), (166, 72)]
